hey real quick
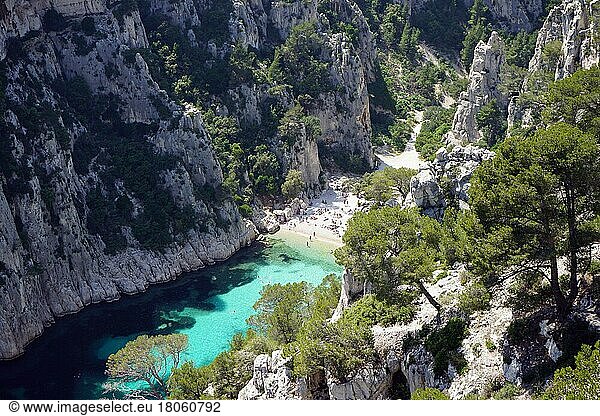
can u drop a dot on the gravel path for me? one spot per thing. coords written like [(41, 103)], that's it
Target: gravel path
[(410, 157)]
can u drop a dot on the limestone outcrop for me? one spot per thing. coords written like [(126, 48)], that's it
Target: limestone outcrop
[(452, 168), (573, 26), (515, 15), (272, 379), (484, 79), (512, 15), (568, 41), (51, 263), (446, 179)]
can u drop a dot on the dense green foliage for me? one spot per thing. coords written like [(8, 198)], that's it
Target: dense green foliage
[(390, 247), (147, 359), (582, 382), (293, 186), (437, 121), (297, 62), (383, 185), (520, 48), (574, 100), (442, 16), (478, 29), (539, 198), (491, 120), (345, 345), (369, 311), (226, 375), (428, 394), (443, 343), (475, 297), (281, 311)]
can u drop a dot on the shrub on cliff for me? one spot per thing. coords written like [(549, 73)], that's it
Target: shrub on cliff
[(428, 394), (293, 185), (581, 382)]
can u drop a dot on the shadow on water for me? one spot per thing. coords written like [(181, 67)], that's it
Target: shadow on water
[(68, 350), (68, 360)]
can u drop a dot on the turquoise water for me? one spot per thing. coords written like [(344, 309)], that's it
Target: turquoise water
[(210, 306)]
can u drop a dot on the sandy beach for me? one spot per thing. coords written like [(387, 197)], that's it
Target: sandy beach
[(325, 220)]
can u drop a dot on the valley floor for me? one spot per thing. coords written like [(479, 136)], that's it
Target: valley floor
[(409, 158), (326, 218)]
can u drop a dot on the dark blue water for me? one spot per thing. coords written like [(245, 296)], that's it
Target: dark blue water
[(210, 306)]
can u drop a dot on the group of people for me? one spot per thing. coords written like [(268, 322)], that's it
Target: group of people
[(327, 215)]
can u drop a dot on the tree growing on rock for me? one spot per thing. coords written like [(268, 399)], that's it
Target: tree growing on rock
[(383, 185), (392, 247), (148, 359), (281, 310), (539, 200), (293, 185)]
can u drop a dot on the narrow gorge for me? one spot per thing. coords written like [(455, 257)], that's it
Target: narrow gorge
[(231, 149)]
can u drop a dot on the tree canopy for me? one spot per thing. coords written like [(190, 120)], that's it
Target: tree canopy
[(539, 197), (148, 359), (383, 185), (581, 382), (391, 247), (293, 185)]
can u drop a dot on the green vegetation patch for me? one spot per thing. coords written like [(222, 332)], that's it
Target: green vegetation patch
[(443, 344)]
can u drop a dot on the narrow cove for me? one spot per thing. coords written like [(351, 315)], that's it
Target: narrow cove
[(210, 306)]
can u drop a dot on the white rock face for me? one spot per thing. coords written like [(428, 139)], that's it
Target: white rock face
[(371, 382), (272, 379), (455, 168), (248, 23), (284, 15), (351, 289), (51, 264), (182, 13), (515, 15), (573, 23), (75, 8), (574, 27), (484, 78), (18, 17), (425, 190), (344, 115), (455, 164), (482, 349)]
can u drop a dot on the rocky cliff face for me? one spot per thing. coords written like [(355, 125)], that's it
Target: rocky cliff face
[(492, 352), (51, 262), (516, 15), (573, 26), (513, 15), (484, 79), (446, 180), (106, 184), (568, 41)]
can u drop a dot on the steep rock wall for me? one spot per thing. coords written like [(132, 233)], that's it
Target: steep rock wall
[(51, 264), (576, 25), (484, 79)]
